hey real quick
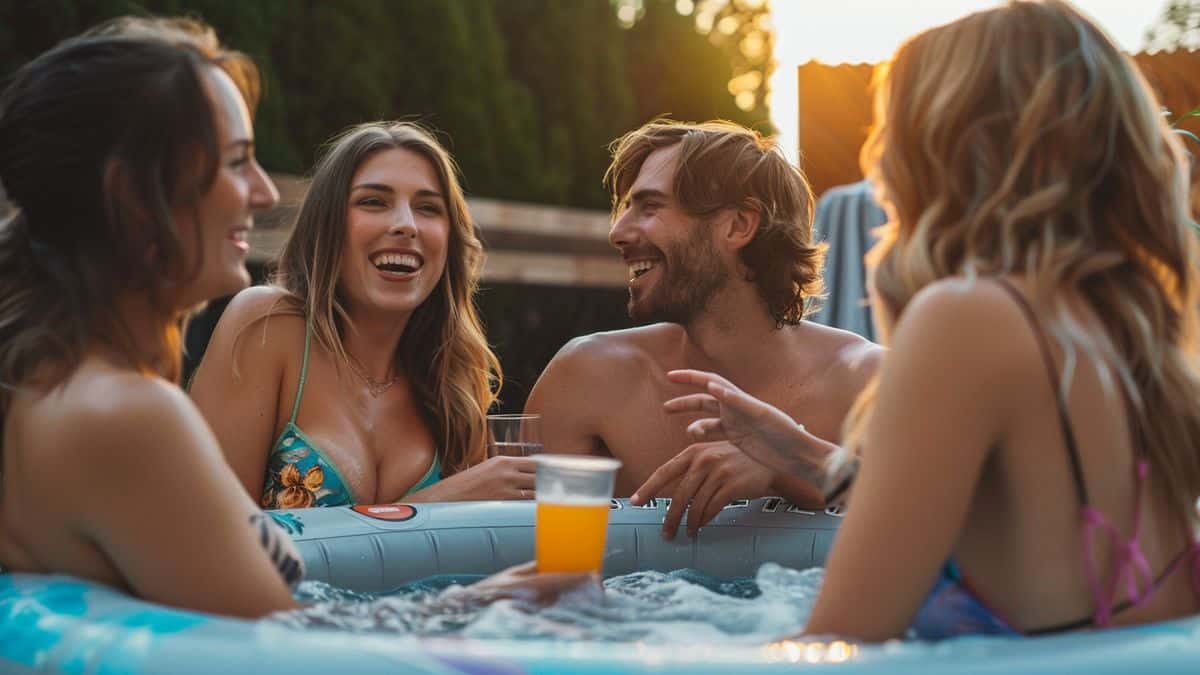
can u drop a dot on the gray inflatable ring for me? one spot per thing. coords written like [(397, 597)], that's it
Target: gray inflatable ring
[(377, 548)]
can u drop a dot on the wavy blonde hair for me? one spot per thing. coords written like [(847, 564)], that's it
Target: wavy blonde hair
[(453, 371), (1020, 141)]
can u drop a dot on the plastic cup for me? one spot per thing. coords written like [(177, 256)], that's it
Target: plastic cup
[(514, 435), (573, 494)]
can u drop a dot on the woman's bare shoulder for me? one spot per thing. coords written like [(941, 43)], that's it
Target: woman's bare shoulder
[(268, 304), (261, 322), (105, 419), (974, 327)]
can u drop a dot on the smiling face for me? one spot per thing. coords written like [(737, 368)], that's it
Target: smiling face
[(674, 269), (224, 214), (397, 235)]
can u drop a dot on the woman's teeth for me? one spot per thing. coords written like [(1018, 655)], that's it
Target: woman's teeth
[(403, 263)]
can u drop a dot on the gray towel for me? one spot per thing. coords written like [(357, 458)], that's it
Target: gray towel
[(845, 217)]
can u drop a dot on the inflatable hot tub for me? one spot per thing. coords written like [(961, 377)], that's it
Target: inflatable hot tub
[(64, 625)]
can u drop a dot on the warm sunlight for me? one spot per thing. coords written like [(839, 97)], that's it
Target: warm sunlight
[(849, 31)]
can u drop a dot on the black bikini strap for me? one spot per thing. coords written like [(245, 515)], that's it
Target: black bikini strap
[(1055, 385)]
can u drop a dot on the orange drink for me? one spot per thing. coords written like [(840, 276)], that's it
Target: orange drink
[(570, 536), (573, 495)]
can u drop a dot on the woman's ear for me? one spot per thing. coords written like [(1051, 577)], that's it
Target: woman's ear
[(125, 203)]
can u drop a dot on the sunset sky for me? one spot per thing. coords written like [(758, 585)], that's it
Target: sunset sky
[(841, 31)]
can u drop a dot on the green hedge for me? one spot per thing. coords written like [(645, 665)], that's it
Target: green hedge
[(528, 93)]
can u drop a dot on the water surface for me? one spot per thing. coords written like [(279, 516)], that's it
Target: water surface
[(682, 607)]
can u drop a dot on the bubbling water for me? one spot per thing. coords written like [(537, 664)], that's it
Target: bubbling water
[(682, 607)]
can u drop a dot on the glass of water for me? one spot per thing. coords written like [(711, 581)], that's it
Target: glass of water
[(514, 435)]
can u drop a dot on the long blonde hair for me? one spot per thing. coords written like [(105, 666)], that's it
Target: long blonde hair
[(453, 372), (1020, 141)]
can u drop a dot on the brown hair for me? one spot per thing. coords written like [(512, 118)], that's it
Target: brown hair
[(726, 166), (99, 138), (455, 374), (1052, 162)]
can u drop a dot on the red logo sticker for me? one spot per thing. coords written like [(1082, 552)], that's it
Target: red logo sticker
[(393, 512)]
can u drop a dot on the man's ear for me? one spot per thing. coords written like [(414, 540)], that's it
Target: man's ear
[(743, 225)]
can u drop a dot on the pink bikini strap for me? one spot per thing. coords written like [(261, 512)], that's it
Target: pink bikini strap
[(1131, 569), (1129, 563)]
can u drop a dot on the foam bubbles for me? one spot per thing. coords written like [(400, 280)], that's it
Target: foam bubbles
[(682, 607)]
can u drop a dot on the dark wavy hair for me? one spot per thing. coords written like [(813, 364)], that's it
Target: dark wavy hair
[(726, 166), (100, 138)]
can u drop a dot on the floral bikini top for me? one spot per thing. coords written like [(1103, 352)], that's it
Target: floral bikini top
[(300, 475)]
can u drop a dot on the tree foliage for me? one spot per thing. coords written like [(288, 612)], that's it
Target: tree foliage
[(526, 93), (1179, 27)]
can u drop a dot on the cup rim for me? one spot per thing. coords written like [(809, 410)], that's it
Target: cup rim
[(577, 462)]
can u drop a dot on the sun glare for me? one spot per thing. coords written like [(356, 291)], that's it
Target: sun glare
[(856, 31)]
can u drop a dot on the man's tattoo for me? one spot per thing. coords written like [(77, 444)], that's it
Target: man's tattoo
[(271, 536)]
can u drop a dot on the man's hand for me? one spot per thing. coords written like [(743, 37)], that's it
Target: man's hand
[(709, 476)]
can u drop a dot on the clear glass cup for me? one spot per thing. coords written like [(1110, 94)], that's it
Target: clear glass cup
[(573, 494), (514, 435)]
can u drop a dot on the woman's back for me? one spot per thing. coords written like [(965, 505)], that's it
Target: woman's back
[(49, 456), (1022, 545), (98, 477)]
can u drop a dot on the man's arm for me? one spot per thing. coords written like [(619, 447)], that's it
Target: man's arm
[(566, 396)]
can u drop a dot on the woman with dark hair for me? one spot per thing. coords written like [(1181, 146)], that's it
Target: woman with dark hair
[(362, 373), (130, 159), (1031, 440)]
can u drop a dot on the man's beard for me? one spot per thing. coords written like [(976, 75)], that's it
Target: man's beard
[(692, 274)]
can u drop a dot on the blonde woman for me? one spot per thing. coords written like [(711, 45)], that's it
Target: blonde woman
[(1030, 444), (361, 374)]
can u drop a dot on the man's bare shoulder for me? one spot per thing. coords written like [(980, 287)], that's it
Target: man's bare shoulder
[(850, 356), (626, 350), (592, 368)]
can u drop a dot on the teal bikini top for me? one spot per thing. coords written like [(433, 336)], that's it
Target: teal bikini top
[(300, 475)]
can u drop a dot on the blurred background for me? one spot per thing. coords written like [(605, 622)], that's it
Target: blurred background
[(528, 94)]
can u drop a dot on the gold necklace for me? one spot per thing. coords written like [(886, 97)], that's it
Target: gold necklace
[(374, 387)]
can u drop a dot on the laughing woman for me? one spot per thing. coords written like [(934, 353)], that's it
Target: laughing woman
[(361, 374), (123, 224)]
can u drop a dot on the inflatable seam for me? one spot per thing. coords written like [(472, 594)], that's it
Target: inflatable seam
[(433, 545), (383, 562), (324, 549), (491, 537)]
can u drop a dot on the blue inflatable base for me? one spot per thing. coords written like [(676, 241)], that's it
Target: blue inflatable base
[(64, 625)]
